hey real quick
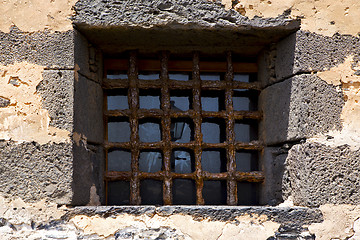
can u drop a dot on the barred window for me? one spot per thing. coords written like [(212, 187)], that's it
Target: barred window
[(181, 130)]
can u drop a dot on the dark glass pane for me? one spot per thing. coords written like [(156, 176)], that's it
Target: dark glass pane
[(213, 100), (114, 74), (150, 161), (180, 76), (247, 161), (118, 193), (214, 161), (214, 192), (151, 192), (184, 192), (211, 76), (147, 75), (246, 131), (248, 193), (241, 77), (117, 102), (118, 130), (213, 130), (245, 100), (182, 130), (149, 99), (149, 130), (119, 160), (182, 161), (182, 99)]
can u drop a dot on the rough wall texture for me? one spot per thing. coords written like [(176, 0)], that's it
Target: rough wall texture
[(36, 171), (50, 99)]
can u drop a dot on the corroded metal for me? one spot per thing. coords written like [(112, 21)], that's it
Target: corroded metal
[(133, 98), (166, 146)]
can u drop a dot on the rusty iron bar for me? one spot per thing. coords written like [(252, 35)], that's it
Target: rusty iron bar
[(166, 127), (133, 99), (199, 181), (181, 85), (158, 113), (254, 176), (254, 145), (230, 134)]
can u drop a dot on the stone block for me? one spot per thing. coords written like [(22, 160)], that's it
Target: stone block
[(307, 52), (57, 92), (88, 110), (87, 58), (272, 163), (88, 165), (298, 108), (318, 174), (266, 66), (33, 172), (53, 50)]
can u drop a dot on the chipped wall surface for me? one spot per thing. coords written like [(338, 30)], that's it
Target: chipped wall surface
[(345, 75), (36, 15), (44, 220), (323, 17), (24, 119)]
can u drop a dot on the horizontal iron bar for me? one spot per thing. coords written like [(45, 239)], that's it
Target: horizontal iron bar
[(254, 176), (158, 113), (254, 145), (180, 85)]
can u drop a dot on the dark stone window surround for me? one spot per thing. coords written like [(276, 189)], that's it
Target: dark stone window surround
[(248, 37)]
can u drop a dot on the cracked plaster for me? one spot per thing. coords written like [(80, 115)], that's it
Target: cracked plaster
[(254, 227), (24, 119), (345, 76), (36, 15), (323, 17)]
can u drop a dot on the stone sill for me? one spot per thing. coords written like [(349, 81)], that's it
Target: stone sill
[(212, 213)]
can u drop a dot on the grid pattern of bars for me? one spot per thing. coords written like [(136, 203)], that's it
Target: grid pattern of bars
[(196, 85)]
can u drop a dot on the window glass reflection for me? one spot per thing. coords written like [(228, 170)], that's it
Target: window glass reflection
[(150, 161)]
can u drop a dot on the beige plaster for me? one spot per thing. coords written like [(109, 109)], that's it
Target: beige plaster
[(36, 15), (18, 212), (246, 227), (344, 75), (94, 197), (338, 222), (24, 119), (323, 17)]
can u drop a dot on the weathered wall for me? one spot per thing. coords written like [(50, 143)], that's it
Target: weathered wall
[(50, 139)]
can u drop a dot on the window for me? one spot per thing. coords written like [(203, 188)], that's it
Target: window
[(181, 130)]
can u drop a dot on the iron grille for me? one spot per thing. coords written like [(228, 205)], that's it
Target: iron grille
[(131, 87)]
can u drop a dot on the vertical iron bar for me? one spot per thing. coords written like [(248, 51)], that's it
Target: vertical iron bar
[(166, 125), (199, 180), (133, 98), (230, 134)]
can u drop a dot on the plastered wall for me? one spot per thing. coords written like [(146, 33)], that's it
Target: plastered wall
[(49, 153)]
